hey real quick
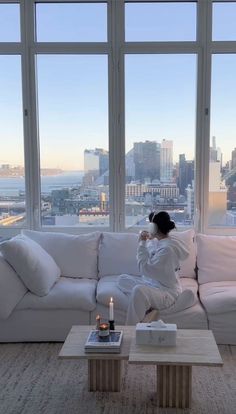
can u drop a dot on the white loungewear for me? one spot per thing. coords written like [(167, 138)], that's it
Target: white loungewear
[(159, 286)]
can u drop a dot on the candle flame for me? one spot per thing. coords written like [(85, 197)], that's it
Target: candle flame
[(111, 299), (98, 317)]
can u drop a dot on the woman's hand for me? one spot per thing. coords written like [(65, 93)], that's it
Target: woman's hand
[(143, 235)]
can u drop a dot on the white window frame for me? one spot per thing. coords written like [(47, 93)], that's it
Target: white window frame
[(115, 48)]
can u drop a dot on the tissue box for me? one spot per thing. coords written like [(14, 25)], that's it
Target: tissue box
[(156, 333)]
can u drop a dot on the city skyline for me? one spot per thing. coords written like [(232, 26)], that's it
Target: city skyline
[(73, 89)]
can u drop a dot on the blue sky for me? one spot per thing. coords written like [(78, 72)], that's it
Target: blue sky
[(73, 90)]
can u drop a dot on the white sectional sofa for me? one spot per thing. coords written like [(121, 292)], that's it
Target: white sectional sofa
[(89, 266)]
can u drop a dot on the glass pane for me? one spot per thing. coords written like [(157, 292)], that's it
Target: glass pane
[(160, 21), (73, 125), (160, 136), (12, 176), (223, 18), (9, 23), (71, 22), (222, 168)]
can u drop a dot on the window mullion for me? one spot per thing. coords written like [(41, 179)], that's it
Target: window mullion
[(32, 172), (116, 114), (203, 115)]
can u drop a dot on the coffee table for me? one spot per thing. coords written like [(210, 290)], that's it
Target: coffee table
[(104, 370), (174, 364)]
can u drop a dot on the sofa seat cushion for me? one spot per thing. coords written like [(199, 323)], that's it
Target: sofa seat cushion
[(76, 256), (190, 318), (67, 293), (187, 299), (12, 289), (218, 297), (107, 288)]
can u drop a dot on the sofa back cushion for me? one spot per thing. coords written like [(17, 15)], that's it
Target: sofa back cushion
[(117, 254), (216, 258), (32, 263), (12, 289), (76, 256)]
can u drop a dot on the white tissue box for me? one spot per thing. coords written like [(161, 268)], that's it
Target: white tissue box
[(156, 333)]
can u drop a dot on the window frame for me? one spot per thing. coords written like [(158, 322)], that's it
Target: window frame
[(115, 48)]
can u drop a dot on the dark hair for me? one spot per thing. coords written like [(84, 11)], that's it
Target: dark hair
[(163, 221)]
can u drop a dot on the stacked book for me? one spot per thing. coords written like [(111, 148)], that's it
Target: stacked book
[(108, 344)]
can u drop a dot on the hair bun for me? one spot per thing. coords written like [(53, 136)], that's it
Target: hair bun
[(171, 225)]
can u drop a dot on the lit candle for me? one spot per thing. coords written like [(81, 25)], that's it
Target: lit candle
[(111, 310)]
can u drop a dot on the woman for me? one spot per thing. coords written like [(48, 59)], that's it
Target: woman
[(158, 257)]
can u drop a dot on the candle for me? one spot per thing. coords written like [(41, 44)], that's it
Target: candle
[(103, 329), (98, 319), (111, 310)]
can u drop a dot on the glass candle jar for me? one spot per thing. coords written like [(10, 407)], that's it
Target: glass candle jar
[(103, 329)]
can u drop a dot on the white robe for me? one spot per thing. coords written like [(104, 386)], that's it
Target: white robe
[(160, 286)]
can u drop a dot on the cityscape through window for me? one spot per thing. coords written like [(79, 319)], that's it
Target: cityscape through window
[(115, 109)]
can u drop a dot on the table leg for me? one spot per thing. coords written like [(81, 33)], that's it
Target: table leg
[(104, 375), (174, 384)]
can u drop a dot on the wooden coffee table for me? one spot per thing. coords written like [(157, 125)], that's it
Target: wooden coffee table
[(174, 364), (104, 370)]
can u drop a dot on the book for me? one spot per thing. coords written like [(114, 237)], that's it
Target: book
[(107, 344)]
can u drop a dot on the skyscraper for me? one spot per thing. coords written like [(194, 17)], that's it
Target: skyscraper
[(96, 163), (147, 161), (166, 161), (186, 173), (233, 159)]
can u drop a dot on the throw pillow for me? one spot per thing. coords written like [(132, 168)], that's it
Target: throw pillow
[(32, 263)]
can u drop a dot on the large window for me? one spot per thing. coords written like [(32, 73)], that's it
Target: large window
[(73, 130), (160, 136), (222, 162), (112, 108), (12, 173)]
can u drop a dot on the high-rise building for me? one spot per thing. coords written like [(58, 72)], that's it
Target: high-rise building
[(233, 159), (147, 161), (96, 163), (166, 161), (217, 196), (186, 173), (215, 153), (129, 166)]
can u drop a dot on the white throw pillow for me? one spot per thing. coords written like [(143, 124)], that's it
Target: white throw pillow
[(33, 264), (216, 258), (12, 289), (117, 254), (76, 256)]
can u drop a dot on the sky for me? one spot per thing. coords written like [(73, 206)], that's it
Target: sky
[(160, 97)]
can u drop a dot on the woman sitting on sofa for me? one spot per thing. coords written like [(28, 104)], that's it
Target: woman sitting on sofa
[(158, 257)]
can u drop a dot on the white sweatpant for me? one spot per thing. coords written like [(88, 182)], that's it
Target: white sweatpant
[(142, 298)]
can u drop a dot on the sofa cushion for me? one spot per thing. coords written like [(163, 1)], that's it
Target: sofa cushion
[(32, 263), (67, 293), (218, 297), (216, 258), (75, 255), (117, 254), (12, 289), (107, 288)]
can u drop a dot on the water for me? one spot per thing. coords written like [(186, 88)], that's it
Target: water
[(12, 186)]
